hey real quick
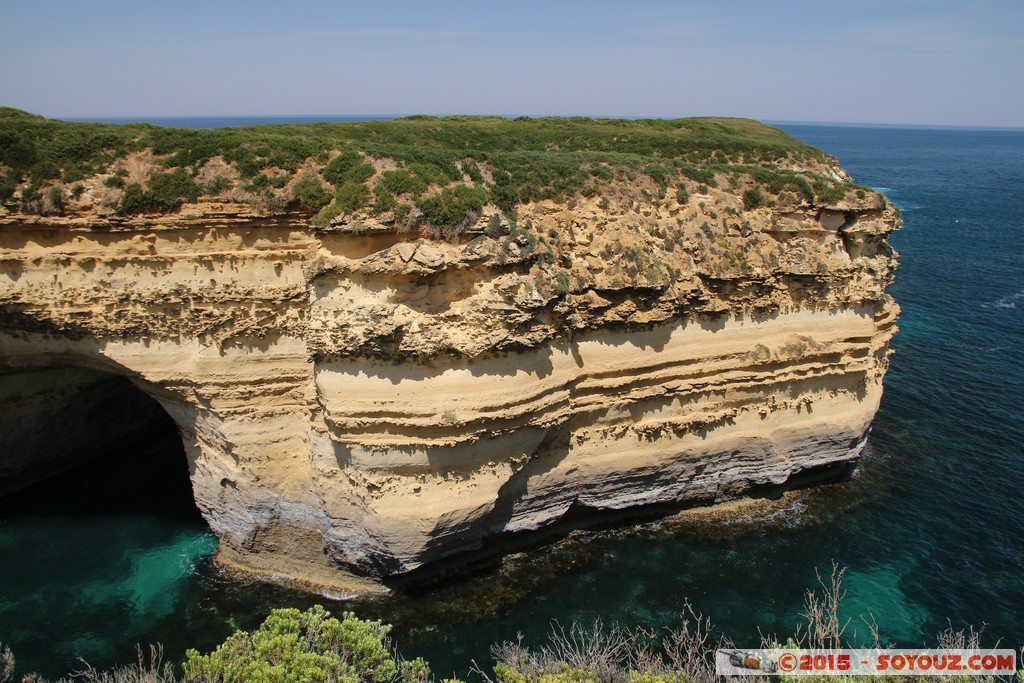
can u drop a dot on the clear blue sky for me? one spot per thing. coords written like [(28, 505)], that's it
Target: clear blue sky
[(956, 62)]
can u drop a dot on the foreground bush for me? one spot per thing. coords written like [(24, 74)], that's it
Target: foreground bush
[(300, 646)]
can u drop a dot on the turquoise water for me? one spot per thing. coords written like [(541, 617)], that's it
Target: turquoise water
[(930, 528)]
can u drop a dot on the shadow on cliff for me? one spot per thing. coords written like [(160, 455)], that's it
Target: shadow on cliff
[(538, 362), (427, 294), (487, 558), (549, 453)]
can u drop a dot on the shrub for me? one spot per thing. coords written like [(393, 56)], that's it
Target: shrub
[(682, 196), (360, 173), (802, 188), (117, 180), (7, 186), (261, 183), (311, 194), (660, 173), (245, 161), (76, 191), (828, 192), (55, 201), (6, 663), (700, 174), (384, 200), (470, 168), (347, 166), (561, 283), (402, 212), (170, 189), (167, 192), (493, 229), (402, 182), (538, 159), (292, 646), (352, 196), (217, 185), (430, 173), (753, 199), (31, 199), (301, 646), (452, 205), (326, 215)]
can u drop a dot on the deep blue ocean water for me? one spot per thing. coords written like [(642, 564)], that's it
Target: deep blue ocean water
[(930, 529)]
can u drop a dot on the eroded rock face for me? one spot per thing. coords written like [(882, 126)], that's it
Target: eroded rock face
[(364, 398)]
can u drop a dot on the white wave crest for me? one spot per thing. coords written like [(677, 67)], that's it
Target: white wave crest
[(1006, 301)]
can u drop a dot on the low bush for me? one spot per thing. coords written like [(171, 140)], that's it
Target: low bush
[(753, 199), (401, 212), (167, 192), (470, 168), (217, 185), (55, 201), (117, 180), (360, 173), (308, 646), (311, 194), (383, 200), (352, 196), (402, 182), (493, 229), (430, 173), (829, 192), (8, 185), (326, 215), (348, 162), (452, 205)]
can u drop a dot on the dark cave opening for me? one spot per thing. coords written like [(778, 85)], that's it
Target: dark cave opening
[(89, 443)]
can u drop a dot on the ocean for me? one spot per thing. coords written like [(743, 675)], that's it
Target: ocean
[(930, 529)]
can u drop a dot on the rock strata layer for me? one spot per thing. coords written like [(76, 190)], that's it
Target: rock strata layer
[(366, 399)]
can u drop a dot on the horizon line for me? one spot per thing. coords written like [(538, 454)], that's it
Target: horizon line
[(384, 117)]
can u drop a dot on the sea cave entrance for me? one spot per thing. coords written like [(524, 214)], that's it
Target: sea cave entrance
[(61, 417), (99, 530)]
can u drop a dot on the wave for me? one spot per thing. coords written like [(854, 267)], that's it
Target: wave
[(894, 197), (1006, 301), (338, 597)]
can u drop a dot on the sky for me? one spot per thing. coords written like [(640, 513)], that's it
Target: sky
[(929, 62)]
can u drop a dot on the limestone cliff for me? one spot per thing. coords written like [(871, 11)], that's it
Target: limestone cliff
[(376, 393)]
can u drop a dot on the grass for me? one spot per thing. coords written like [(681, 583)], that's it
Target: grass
[(515, 161)]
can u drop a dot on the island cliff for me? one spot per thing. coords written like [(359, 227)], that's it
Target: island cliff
[(379, 359)]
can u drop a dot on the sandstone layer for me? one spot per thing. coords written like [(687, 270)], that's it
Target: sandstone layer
[(363, 398)]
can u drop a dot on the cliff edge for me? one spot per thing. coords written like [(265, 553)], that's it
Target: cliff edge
[(387, 342)]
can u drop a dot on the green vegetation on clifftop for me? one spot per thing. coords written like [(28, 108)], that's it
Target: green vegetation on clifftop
[(436, 163)]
